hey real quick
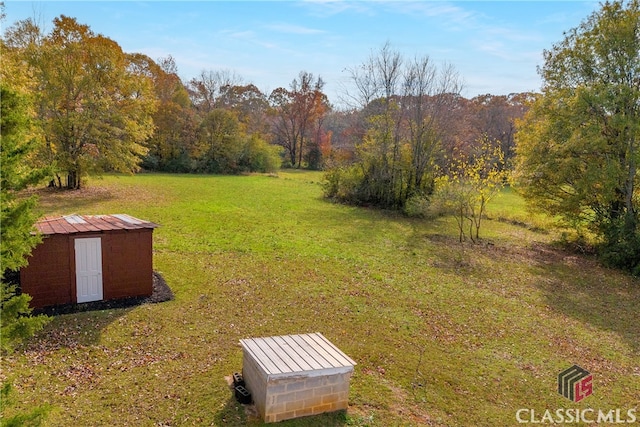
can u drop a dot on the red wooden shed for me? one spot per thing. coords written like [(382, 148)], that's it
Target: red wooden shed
[(86, 258)]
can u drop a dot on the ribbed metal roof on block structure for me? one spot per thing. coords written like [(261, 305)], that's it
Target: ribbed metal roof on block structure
[(288, 354)]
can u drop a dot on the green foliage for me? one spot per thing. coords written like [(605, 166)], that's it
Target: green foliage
[(578, 148), (420, 206), (621, 246), (17, 144), (220, 142), (15, 315), (33, 418), (225, 148), (260, 156), (16, 215), (343, 184)]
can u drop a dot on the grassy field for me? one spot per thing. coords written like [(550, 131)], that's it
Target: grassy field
[(444, 334)]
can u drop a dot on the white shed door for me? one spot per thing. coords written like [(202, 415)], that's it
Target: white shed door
[(89, 269)]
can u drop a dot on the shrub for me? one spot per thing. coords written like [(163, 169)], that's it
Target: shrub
[(417, 206), (621, 245), (344, 184), (260, 156)]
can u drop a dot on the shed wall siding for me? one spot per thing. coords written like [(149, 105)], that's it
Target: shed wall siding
[(127, 267), (48, 277), (127, 264)]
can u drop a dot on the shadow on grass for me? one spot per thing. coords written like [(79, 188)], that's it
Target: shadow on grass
[(234, 414), (582, 289), (71, 201), (74, 330), (86, 321)]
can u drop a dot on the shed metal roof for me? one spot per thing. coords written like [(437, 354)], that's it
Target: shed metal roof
[(73, 224)]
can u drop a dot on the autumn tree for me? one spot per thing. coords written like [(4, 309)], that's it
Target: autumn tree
[(297, 115), (210, 86), (578, 147), (171, 147), (405, 105), (472, 181), (347, 128), (94, 108), (494, 116), (250, 105)]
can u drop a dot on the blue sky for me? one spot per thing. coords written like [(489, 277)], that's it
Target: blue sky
[(495, 46)]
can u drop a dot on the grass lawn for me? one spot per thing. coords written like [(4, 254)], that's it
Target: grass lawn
[(444, 334)]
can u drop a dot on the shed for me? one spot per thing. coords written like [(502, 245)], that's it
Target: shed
[(86, 258), (292, 376)]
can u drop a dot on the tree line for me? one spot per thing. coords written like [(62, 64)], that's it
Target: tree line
[(408, 140), (101, 109)]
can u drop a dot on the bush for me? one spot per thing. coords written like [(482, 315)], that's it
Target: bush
[(344, 184), (621, 245), (417, 206), (260, 156), (440, 203)]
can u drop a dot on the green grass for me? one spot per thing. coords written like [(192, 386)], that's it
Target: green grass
[(443, 333)]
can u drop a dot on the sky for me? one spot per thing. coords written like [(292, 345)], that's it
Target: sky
[(495, 47)]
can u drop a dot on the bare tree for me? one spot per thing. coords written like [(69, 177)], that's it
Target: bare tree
[(405, 105), (297, 114), (430, 94), (211, 85)]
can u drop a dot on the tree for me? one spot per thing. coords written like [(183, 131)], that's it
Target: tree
[(94, 106), (297, 115), (472, 182), (578, 147), (34, 417), (495, 117), (17, 216), (250, 104), (171, 147), (405, 107), (429, 95), (220, 142), (207, 89)]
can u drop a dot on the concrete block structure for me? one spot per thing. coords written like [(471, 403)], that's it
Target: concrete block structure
[(293, 376)]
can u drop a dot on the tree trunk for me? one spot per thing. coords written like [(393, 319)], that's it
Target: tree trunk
[(300, 152), (73, 180), (292, 154), (629, 188)]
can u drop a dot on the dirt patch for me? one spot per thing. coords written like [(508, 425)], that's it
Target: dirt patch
[(161, 293)]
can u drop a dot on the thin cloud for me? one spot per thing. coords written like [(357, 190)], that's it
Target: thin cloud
[(451, 13), (293, 29), (242, 35), (247, 36), (329, 8)]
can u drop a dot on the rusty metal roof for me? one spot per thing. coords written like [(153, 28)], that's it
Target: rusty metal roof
[(72, 224)]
